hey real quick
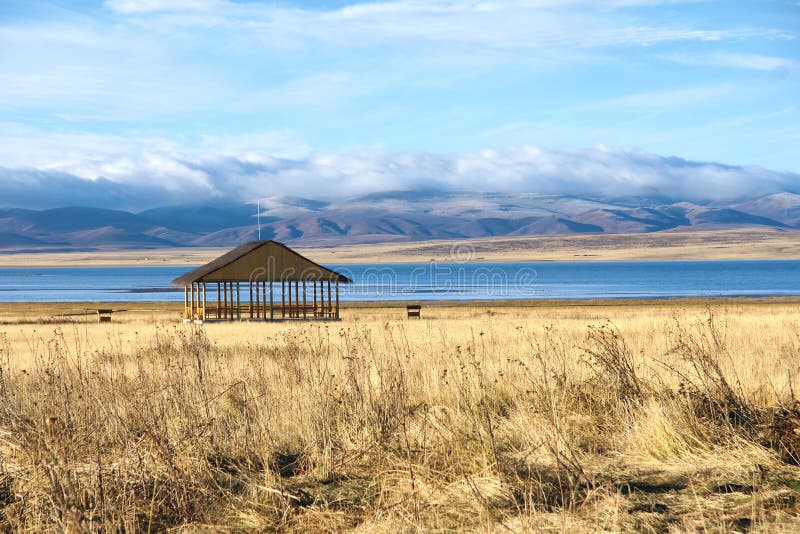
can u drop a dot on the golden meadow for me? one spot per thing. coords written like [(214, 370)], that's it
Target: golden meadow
[(654, 418)]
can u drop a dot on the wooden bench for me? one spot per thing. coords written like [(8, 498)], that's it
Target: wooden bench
[(414, 310), (104, 316)]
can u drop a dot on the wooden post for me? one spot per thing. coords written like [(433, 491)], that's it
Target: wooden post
[(330, 300), (271, 310), (304, 300), (238, 302), (289, 298), (337, 299), (296, 298), (219, 301), (204, 300), (315, 298), (250, 287), (185, 299), (191, 316), (283, 300)]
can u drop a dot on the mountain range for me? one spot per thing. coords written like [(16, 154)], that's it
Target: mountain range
[(393, 216)]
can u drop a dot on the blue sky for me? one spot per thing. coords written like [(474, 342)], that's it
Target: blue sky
[(484, 93)]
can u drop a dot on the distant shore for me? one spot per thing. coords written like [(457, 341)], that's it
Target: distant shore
[(741, 244)]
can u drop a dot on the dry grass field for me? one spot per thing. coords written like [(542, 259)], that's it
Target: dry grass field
[(653, 418)]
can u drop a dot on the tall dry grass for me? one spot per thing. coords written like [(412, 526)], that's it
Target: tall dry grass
[(664, 419)]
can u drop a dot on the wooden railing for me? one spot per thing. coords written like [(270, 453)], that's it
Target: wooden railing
[(227, 305), (259, 311)]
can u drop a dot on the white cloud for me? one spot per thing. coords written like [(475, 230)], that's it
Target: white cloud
[(132, 7), (531, 24), (157, 178), (757, 62), (148, 59), (137, 7), (651, 100), (84, 153)]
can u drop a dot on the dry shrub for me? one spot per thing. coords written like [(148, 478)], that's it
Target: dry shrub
[(702, 351), (612, 360)]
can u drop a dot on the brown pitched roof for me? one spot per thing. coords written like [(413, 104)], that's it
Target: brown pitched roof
[(243, 250)]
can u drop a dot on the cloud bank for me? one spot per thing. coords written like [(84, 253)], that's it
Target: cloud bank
[(158, 179)]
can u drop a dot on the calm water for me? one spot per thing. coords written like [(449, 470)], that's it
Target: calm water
[(439, 281)]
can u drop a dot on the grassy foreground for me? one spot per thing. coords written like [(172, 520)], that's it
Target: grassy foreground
[(652, 418)]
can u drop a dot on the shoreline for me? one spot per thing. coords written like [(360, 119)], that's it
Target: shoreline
[(445, 303), (85, 313)]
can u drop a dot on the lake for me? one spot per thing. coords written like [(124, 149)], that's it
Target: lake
[(433, 281)]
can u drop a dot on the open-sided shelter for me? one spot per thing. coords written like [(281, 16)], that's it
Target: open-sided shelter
[(277, 282)]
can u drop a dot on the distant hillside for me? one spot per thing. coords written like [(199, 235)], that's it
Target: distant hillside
[(403, 216)]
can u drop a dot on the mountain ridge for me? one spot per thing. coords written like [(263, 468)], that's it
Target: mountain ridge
[(390, 216)]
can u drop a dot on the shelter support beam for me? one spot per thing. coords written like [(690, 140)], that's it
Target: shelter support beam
[(296, 298), (271, 310)]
